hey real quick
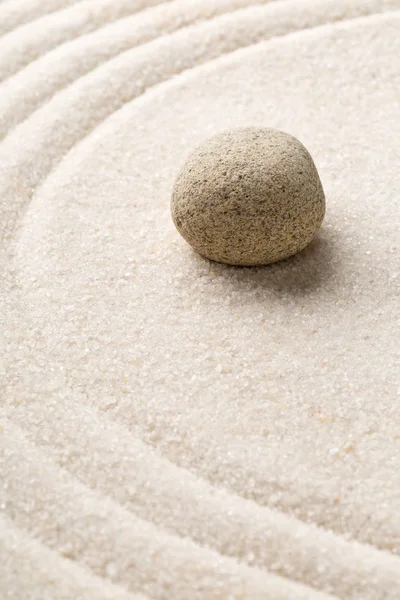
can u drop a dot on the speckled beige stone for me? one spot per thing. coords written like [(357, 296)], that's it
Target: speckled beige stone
[(249, 196)]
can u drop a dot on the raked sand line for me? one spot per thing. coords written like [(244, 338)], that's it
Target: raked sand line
[(262, 537), (30, 570), (14, 13), (59, 68), (77, 521), (34, 147), (27, 43)]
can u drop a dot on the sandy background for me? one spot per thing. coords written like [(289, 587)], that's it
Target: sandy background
[(170, 427)]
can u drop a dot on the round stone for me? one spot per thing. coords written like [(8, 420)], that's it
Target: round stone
[(249, 196)]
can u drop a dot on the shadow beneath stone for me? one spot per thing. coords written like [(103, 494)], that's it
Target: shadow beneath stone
[(317, 266)]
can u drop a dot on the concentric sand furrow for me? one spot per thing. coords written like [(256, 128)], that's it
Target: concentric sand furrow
[(27, 43), (31, 571), (59, 68), (338, 513), (14, 13), (262, 537), (35, 147), (77, 520)]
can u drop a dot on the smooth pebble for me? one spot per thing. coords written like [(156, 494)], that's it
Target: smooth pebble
[(249, 196)]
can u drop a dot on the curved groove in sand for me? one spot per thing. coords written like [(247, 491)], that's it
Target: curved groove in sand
[(159, 558), (14, 13), (71, 60), (20, 47), (280, 543), (41, 570)]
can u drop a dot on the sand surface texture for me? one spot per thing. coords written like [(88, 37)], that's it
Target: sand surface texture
[(173, 428)]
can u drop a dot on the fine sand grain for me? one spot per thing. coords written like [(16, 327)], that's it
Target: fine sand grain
[(171, 427)]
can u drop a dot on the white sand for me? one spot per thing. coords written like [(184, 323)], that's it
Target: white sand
[(172, 428)]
